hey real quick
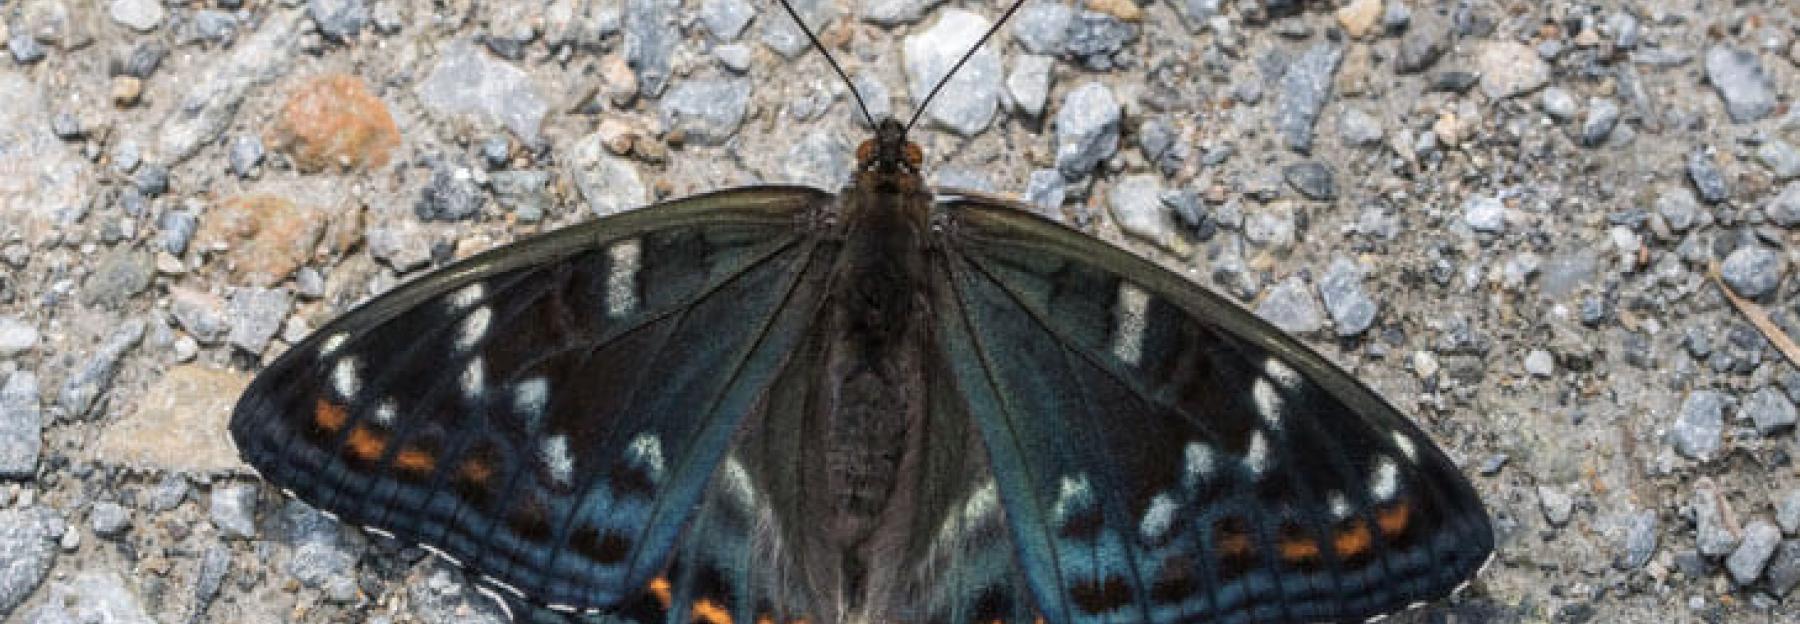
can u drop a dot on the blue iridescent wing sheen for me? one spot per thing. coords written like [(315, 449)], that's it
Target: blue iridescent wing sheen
[(549, 414), (1165, 456)]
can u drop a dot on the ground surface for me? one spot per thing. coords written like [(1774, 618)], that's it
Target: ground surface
[(1499, 214)]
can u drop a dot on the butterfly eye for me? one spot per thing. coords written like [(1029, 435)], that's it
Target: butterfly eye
[(865, 153), (914, 156)]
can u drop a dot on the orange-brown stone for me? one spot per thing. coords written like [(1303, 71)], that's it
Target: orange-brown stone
[(265, 237), (333, 123)]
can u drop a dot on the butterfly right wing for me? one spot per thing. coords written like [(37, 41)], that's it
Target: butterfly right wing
[(549, 414)]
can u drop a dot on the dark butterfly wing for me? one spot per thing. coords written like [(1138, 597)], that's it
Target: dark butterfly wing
[(549, 414), (1164, 456)]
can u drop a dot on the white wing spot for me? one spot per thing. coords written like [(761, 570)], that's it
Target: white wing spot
[(737, 482), (1339, 505), (1268, 402), (1406, 445), (1074, 494), (467, 295), (1128, 323), (554, 452), (474, 327), (1386, 482), (982, 503), (344, 378), (1158, 518), (1198, 464), (474, 380), (646, 450), (1256, 458), (621, 281), (385, 413), (1281, 373), (333, 343), (529, 398)]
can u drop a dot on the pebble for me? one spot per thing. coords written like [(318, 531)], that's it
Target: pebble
[(733, 56), (1304, 90), (145, 59), (1784, 569), (1042, 28), (1045, 190), (334, 122), (215, 564), (1770, 410), (451, 195), (1510, 68), (25, 49), (820, 159), (976, 87), (1556, 504), (1787, 512), (402, 245), (1359, 17), (785, 38), (1716, 531), (495, 152), (245, 155), (1352, 311), (152, 180), (1747, 561), (1029, 83), (466, 81), (205, 111), (255, 315), (1782, 160), (1197, 15), (200, 314), (891, 13), (1087, 130), (1358, 128), (705, 111), (1738, 76), (1753, 270), (338, 20), (1485, 213), (526, 194), (21, 426), (1539, 363), (82, 390), (1425, 41), (109, 519), (1272, 227), (727, 19), (1291, 306), (1699, 425), (209, 26), (1559, 104), (1704, 171), (118, 275), (1640, 541), (1137, 208), (875, 95), (651, 39), (1097, 41), (1312, 179), (1681, 209), (28, 536), (167, 494), (1602, 116), (609, 183), (16, 336), (138, 15), (233, 510)]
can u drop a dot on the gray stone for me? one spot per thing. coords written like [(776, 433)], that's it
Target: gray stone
[(734, 56), (892, 13), (524, 193), (338, 20), (1352, 311), (233, 510), (210, 27), (1781, 158), (1539, 363), (145, 59), (468, 83), (452, 194), (245, 155), (166, 494), (1136, 204), (1196, 15), (952, 177), (1560, 104), (1425, 41), (95, 596), (25, 50), (706, 111), (21, 426), (256, 314), (28, 536), (1787, 512), (215, 564), (1747, 561), (1029, 83), (1602, 116), (109, 519), (1681, 209), (496, 152), (138, 15), (1708, 180), (1358, 128), (1485, 213), (651, 37), (1161, 144), (1291, 306), (152, 180), (200, 313), (402, 245), (1045, 190), (1273, 227), (1784, 569), (118, 275), (1640, 541), (1556, 504), (1738, 76), (1312, 178), (1097, 41), (610, 184), (1510, 68), (16, 336), (785, 38), (1716, 531), (1304, 89), (1087, 130), (1784, 208), (126, 156), (875, 95), (82, 390), (820, 159), (1042, 28), (1698, 426), (1770, 409), (727, 19), (1625, 31), (976, 87), (1752, 270), (210, 102)]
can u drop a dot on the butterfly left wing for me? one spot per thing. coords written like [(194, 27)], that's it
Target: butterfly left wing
[(549, 413), (1164, 456)]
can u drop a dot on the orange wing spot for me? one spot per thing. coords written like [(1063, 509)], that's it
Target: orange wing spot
[(1393, 519), (1353, 540), (707, 612), (865, 152), (330, 416), (764, 619), (914, 156), (476, 471), (366, 444), (416, 461), (1299, 549), (1235, 544), (662, 591)]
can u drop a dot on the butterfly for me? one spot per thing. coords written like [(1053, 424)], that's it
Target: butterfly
[(881, 404)]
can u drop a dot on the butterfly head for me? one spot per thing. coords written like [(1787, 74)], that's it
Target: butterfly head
[(889, 152)]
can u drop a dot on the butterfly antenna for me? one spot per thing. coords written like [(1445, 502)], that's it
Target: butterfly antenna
[(920, 111), (833, 61)]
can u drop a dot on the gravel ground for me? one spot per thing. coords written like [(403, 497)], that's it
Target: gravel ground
[(1500, 214)]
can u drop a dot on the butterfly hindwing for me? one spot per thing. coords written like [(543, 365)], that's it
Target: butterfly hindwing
[(1164, 456), (549, 414)]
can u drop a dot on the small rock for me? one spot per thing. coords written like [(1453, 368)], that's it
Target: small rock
[(401, 245), (890, 13), (651, 37), (1359, 17), (1771, 411), (21, 426), (200, 313), (256, 314), (933, 51), (245, 155), (1042, 28), (209, 26), (1784, 569), (233, 510), (1681, 209), (126, 90), (25, 49), (1097, 41), (496, 152), (1738, 76), (1087, 130), (1358, 128), (118, 275), (168, 494), (1746, 563), (145, 59), (1425, 41), (467, 82), (109, 519), (1787, 512), (452, 195), (1704, 171), (207, 109), (16, 336), (152, 180), (1560, 105), (1510, 68), (734, 56), (338, 20), (1197, 15), (1640, 541), (1485, 213), (1352, 311), (179, 425), (524, 193), (1602, 116), (1539, 363), (333, 122), (1029, 83), (876, 95), (1304, 89), (1291, 306), (610, 184), (705, 111), (82, 390), (1272, 228), (785, 38), (215, 564), (820, 160), (1312, 178), (727, 19), (1556, 504), (1136, 204), (138, 15), (1753, 270), (1045, 190), (1781, 158), (28, 536), (1715, 525), (1699, 425)]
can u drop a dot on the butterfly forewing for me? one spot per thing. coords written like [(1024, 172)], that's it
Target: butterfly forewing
[(548, 414), (1165, 456)]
